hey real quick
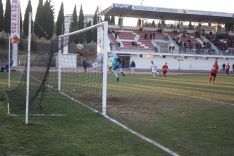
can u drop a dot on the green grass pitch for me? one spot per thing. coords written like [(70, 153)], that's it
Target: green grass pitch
[(181, 112)]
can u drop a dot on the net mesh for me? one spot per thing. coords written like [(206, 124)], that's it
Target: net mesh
[(70, 70)]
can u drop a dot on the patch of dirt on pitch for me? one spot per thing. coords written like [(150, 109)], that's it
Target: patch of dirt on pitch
[(114, 99)]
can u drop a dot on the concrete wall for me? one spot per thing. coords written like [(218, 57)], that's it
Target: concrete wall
[(179, 62)]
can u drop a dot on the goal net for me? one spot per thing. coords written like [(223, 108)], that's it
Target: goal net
[(68, 69)]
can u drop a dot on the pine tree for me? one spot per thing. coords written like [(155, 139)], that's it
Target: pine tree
[(107, 18), (153, 24), (120, 22), (139, 23), (81, 25), (112, 22), (74, 23), (38, 25), (88, 33), (48, 24), (21, 23), (95, 20), (7, 17), (159, 25), (190, 27), (163, 24), (26, 16), (1, 16), (60, 21)]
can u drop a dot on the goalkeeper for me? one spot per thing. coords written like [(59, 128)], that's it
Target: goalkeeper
[(110, 64), (116, 63)]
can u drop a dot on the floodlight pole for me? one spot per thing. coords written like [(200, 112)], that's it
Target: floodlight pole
[(9, 63), (28, 67)]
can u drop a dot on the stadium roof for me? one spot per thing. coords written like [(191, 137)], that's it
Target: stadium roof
[(139, 11)]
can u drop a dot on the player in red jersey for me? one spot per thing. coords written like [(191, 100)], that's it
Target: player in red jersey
[(227, 69), (214, 72), (165, 69)]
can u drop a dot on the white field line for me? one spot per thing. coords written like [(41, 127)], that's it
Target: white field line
[(38, 115), (200, 98), (165, 149), (143, 137)]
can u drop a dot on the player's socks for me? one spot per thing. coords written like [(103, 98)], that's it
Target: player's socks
[(123, 74), (210, 79), (117, 79)]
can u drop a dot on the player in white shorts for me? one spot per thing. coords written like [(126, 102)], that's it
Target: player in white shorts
[(154, 69)]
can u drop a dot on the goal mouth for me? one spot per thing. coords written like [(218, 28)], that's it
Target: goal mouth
[(68, 67)]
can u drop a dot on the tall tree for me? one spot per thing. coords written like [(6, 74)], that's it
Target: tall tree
[(38, 25), (26, 16), (60, 21), (107, 18), (74, 23), (81, 37), (21, 23), (88, 33), (1, 16), (95, 21), (190, 27), (139, 23), (112, 22), (7, 17), (48, 24), (163, 23), (153, 24)]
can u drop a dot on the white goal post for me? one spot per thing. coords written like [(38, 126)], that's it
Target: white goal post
[(102, 50)]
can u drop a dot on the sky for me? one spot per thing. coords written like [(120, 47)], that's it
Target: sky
[(89, 6)]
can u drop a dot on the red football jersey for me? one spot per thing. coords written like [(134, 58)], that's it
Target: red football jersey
[(215, 68), (165, 67)]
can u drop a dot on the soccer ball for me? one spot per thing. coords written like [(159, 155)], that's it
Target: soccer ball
[(80, 46)]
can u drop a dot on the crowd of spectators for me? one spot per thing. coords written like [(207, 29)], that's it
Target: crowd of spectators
[(223, 42), (192, 42)]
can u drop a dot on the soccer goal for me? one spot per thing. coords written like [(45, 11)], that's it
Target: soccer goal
[(70, 68)]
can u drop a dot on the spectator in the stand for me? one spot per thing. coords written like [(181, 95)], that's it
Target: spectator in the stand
[(146, 35), (119, 44), (151, 36), (227, 69), (170, 49), (111, 46), (203, 31), (185, 46), (116, 35), (173, 48), (224, 66)]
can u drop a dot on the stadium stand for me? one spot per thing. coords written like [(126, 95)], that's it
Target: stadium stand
[(129, 39), (224, 42), (192, 43)]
